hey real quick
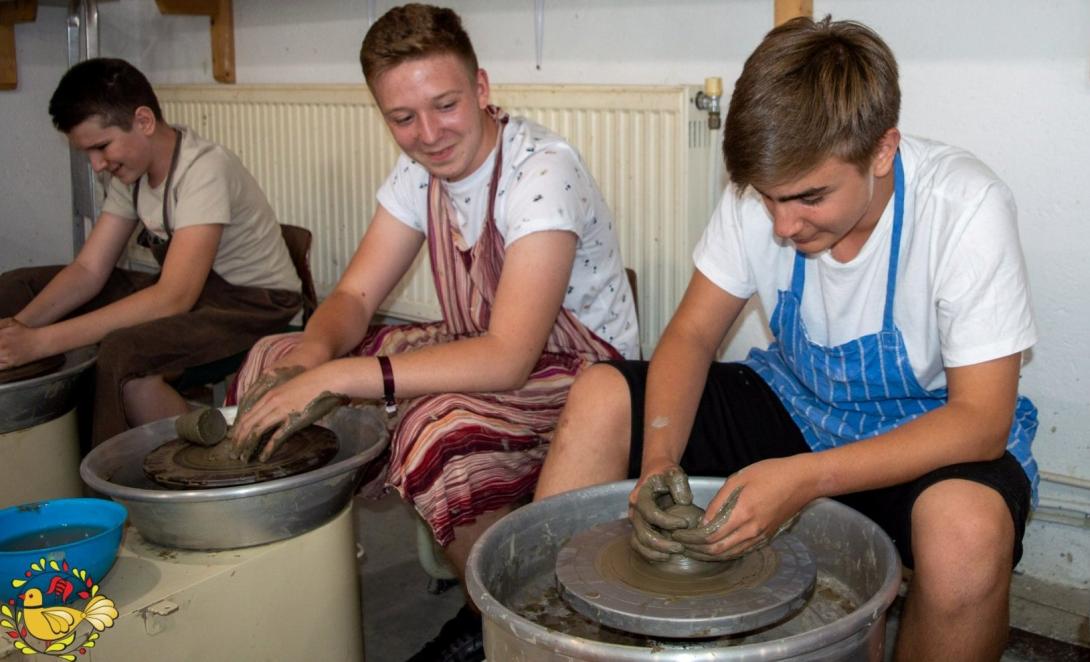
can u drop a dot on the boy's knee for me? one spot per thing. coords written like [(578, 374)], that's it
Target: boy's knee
[(598, 404), (600, 386), (962, 540), (138, 385)]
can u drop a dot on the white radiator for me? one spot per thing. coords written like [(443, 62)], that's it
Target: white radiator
[(321, 151)]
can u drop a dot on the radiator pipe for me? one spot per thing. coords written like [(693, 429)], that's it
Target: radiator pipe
[(1061, 479), (708, 100)]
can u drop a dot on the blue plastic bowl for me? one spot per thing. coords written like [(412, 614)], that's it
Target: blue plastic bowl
[(84, 533)]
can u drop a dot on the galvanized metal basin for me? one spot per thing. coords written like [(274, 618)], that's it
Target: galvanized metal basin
[(30, 402), (239, 516), (858, 575)]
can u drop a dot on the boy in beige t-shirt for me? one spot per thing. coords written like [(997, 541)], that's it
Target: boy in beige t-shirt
[(226, 277)]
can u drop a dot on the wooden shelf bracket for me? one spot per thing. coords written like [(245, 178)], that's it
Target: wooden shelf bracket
[(12, 12), (221, 14), (788, 9)]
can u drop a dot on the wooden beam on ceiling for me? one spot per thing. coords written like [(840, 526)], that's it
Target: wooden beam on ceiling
[(222, 17), (789, 9), (12, 12)]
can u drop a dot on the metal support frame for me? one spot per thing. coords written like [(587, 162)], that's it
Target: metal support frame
[(82, 27)]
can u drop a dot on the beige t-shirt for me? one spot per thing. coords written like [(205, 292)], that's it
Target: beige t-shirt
[(210, 185)]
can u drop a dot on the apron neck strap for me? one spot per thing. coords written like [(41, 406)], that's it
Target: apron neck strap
[(895, 240), (798, 273), (166, 185)]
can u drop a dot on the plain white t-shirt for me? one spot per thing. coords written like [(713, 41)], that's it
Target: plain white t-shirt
[(962, 295), (543, 186)]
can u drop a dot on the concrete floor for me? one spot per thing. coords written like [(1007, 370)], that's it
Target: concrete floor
[(400, 615)]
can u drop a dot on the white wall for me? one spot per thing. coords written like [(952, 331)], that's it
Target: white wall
[(1007, 79), (35, 189)]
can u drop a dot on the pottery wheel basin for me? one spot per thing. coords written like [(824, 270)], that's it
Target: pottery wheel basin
[(242, 515), (511, 577)]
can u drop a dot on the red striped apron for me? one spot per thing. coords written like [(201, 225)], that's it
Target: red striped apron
[(456, 456)]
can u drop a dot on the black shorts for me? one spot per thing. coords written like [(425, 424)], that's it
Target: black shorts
[(740, 420)]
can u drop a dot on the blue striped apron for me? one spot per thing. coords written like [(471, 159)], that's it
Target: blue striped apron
[(866, 386)]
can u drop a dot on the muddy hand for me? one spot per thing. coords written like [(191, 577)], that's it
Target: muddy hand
[(650, 521), (673, 482), (263, 385), (236, 447), (697, 539), (651, 543), (321, 405), (700, 535)]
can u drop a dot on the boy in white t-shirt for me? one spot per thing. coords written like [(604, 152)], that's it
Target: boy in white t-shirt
[(226, 277), (890, 271), (527, 268)]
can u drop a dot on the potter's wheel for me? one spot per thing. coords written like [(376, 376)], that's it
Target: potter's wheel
[(179, 464), (45, 366), (242, 515), (44, 392), (599, 576)]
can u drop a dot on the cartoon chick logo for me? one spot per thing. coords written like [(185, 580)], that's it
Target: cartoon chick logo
[(63, 628)]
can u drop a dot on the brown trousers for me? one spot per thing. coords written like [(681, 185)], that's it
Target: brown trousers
[(226, 320)]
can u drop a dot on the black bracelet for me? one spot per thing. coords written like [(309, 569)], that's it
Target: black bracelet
[(388, 385)]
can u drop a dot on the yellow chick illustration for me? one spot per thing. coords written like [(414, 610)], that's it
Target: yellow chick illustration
[(49, 623)]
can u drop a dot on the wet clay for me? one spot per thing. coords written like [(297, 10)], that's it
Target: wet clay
[(31, 370), (683, 576), (263, 385), (601, 577), (179, 464), (205, 426), (652, 520), (322, 404)]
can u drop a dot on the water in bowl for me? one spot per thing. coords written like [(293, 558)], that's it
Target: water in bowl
[(52, 537)]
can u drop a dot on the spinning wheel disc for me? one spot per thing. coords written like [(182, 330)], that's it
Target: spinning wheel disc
[(602, 578), (182, 465), (31, 370)]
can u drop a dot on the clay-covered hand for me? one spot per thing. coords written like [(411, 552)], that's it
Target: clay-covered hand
[(262, 385), (651, 523), (282, 410), (672, 482), (753, 507), (19, 344)]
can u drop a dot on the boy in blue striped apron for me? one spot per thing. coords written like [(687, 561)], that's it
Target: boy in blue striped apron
[(890, 271)]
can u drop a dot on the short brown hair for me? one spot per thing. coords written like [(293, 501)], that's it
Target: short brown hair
[(412, 32), (809, 91)]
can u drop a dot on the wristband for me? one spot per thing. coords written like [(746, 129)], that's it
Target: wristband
[(387, 385)]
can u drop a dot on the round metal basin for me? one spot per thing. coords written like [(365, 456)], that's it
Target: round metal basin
[(239, 516), (30, 402), (510, 577)]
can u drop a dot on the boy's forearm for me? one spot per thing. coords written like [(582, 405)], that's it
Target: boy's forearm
[(675, 381), (142, 306), (339, 324), (69, 289), (942, 437), (972, 426)]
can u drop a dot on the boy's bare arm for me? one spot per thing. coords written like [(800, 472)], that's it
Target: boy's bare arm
[(188, 263), (81, 280), (972, 426)]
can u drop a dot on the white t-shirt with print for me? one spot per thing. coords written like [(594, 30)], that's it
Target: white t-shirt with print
[(544, 185), (962, 295)]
